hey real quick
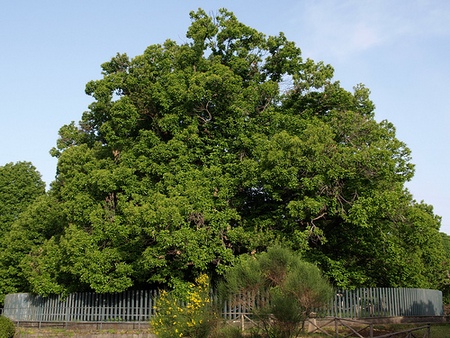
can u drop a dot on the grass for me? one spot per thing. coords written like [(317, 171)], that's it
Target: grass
[(440, 330)]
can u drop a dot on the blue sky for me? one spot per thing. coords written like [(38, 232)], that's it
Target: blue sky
[(398, 49)]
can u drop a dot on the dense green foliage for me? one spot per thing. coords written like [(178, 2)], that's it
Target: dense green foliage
[(192, 154), (7, 328), (20, 186), (445, 283)]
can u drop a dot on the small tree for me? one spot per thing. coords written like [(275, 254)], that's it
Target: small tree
[(293, 288)]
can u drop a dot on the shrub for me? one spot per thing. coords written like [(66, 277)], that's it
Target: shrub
[(185, 314), (7, 328), (293, 288)]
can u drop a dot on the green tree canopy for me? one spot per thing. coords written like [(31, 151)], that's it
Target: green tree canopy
[(20, 186), (194, 153)]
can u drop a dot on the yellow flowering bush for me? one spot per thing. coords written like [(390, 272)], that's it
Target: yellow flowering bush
[(188, 315)]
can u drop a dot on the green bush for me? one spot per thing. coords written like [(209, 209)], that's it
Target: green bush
[(7, 328), (293, 286), (185, 315)]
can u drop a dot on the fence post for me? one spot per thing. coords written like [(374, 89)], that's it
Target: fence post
[(66, 309)]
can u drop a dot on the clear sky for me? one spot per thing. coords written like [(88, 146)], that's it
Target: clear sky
[(399, 49)]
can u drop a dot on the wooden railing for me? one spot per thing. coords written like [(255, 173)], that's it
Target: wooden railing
[(353, 328)]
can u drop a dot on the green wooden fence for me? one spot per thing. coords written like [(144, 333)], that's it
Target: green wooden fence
[(137, 306)]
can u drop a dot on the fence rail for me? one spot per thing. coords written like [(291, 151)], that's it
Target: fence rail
[(137, 306)]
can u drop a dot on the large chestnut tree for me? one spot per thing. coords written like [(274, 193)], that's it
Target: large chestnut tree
[(192, 154)]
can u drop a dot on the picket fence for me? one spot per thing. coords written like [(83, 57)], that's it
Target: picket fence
[(138, 306)]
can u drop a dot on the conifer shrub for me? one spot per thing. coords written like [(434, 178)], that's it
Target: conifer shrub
[(291, 289)]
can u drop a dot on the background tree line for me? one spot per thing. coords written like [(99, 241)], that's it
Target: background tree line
[(193, 154)]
